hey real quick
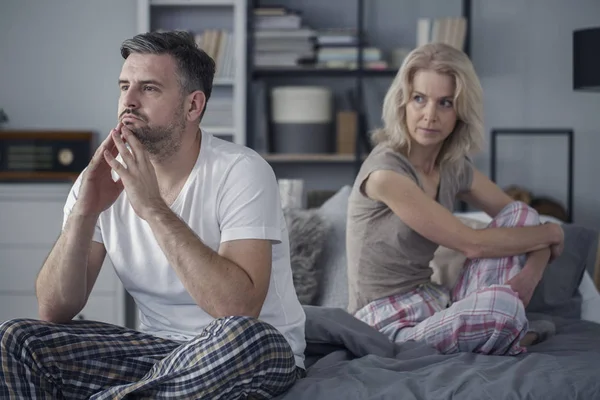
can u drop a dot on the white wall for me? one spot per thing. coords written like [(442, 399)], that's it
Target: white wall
[(60, 62), (522, 50)]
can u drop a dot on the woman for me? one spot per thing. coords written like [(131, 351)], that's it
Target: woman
[(399, 212)]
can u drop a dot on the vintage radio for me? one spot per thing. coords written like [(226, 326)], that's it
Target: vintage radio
[(44, 155)]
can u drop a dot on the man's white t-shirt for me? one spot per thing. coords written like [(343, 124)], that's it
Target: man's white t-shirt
[(230, 194)]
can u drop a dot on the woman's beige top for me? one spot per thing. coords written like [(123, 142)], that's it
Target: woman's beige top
[(385, 256)]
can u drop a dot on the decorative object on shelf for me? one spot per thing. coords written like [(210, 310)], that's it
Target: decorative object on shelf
[(27, 156), (302, 119), (292, 193), (548, 205), (586, 60), (347, 126)]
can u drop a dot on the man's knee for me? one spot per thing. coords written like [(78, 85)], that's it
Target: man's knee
[(14, 332), (244, 330), (243, 325), (258, 348)]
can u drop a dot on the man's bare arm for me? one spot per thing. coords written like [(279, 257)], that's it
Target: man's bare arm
[(66, 279), (232, 281)]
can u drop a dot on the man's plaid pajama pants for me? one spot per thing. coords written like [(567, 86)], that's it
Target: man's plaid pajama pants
[(233, 358), (481, 314)]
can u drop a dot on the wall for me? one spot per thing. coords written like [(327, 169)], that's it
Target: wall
[(60, 62), (59, 67), (522, 50)]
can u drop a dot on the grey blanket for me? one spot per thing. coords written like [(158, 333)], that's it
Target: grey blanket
[(346, 359)]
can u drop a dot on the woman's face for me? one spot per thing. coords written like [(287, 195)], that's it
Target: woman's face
[(430, 113)]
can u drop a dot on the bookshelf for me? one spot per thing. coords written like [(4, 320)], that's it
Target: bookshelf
[(220, 28), (404, 18), (309, 158), (320, 72)]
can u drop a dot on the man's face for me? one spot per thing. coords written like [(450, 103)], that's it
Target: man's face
[(151, 102)]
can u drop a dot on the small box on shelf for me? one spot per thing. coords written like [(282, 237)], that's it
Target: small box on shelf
[(346, 132)]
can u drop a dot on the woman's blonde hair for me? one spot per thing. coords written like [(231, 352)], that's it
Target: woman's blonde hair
[(467, 135)]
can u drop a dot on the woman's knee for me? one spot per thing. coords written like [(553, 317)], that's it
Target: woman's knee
[(516, 214), (504, 306)]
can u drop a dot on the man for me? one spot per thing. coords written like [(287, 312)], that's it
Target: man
[(194, 228)]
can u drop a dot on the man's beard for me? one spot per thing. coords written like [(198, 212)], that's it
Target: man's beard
[(161, 141)]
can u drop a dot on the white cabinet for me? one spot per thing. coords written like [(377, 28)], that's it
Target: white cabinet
[(30, 222), (219, 27)]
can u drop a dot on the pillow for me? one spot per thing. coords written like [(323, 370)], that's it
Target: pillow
[(447, 263), (333, 290), (307, 232), (590, 299), (557, 293)]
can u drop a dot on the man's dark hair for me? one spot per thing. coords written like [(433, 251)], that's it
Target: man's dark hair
[(196, 68)]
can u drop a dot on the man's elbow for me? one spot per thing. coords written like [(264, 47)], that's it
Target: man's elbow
[(57, 314), (49, 315), (248, 308)]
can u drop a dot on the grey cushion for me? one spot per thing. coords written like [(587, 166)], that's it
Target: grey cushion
[(557, 293), (307, 232), (333, 291)]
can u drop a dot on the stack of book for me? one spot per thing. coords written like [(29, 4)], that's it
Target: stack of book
[(450, 30), (280, 39), (220, 46), (338, 48)]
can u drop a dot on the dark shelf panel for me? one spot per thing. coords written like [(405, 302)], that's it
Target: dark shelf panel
[(315, 72), (309, 158)]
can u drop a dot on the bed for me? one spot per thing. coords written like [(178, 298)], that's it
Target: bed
[(346, 359)]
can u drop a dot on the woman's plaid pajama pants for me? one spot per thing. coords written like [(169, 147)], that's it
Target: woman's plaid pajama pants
[(481, 314)]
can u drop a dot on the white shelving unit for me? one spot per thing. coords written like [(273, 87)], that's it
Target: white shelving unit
[(197, 16), (30, 222)]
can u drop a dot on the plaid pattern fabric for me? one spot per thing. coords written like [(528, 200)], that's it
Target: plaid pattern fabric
[(481, 272), (481, 315), (233, 358)]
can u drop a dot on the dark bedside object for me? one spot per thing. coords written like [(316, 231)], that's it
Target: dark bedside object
[(43, 156)]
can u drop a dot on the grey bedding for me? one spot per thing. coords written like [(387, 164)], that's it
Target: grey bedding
[(346, 359)]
